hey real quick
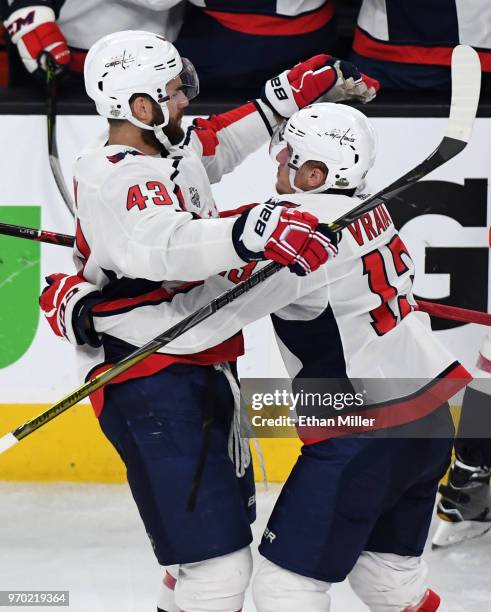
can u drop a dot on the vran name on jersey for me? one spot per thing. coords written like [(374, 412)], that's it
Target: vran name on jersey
[(193, 192), (370, 225)]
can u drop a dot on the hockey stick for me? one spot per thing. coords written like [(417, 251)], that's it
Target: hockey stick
[(466, 86), (454, 313), (20, 231), (54, 160), (465, 96), (434, 309)]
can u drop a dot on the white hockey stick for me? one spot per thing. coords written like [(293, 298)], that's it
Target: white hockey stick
[(466, 79)]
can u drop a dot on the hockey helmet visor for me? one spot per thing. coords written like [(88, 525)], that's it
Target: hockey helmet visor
[(189, 78)]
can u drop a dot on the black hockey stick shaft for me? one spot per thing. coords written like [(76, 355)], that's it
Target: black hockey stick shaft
[(446, 150), (444, 311), (30, 233), (138, 355), (435, 160), (466, 85), (54, 160)]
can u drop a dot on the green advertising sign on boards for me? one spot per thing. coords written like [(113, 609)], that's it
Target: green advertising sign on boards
[(20, 272)]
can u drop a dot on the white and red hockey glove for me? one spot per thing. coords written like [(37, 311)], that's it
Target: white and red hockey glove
[(35, 32), (322, 76), (280, 232), (351, 85), (66, 303)]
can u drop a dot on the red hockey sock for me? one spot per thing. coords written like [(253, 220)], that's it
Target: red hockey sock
[(169, 581), (429, 603)]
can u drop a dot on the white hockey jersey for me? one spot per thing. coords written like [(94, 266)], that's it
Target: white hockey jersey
[(85, 22), (133, 211), (368, 287), (147, 226)]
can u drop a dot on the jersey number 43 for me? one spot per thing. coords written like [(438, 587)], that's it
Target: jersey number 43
[(139, 195)]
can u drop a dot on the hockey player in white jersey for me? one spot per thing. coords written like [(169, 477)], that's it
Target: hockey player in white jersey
[(351, 506), (146, 230)]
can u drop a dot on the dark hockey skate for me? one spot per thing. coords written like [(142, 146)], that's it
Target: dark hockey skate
[(465, 505)]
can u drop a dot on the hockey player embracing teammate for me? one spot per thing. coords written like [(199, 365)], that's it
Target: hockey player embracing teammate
[(147, 230), (357, 507)]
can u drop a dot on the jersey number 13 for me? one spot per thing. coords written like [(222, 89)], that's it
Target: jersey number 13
[(385, 316)]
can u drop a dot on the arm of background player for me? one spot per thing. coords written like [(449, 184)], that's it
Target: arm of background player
[(142, 233), (223, 141)]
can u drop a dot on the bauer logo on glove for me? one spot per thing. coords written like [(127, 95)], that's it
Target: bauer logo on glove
[(280, 232)]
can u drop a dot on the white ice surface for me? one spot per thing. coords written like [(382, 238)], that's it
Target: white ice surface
[(88, 539)]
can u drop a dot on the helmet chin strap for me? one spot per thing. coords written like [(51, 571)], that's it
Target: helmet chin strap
[(161, 136), (157, 129)]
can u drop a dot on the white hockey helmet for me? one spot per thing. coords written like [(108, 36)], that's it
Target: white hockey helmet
[(337, 135), (132, 62)]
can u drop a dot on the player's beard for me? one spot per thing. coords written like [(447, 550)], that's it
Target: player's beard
[(172, 130)]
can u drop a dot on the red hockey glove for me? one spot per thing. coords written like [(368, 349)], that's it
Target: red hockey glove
[(291, 237), (303, 84), (322, 76), (34, 30), (66, 304)]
